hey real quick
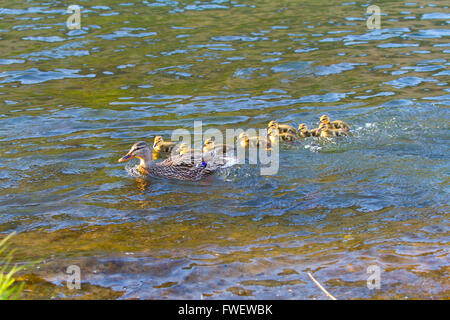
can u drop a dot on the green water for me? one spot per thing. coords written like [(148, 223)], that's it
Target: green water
[(73, 101)]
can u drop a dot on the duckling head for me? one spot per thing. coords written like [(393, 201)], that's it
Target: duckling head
[(158, 140), (324, 119), (302, 127), (243, 139), (272, 124), (184, 148), (242, 135), (323, 127), (208, 144), (139, 150)]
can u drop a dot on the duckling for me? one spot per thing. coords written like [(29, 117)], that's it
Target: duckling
[(336, 124), (274, 136), (245, 141), (171, 168), (304, 132), (161, 146), (184, 149), (209, 145), (185, 152), (283, 128), (325, 131)]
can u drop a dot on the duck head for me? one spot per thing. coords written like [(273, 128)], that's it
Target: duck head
[(139, 150)]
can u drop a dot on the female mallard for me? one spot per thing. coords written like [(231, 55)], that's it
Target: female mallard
[(282, 128), (274, 136), (336, 124), (325, 131), (304, 132), (161, 146), (179, 168)]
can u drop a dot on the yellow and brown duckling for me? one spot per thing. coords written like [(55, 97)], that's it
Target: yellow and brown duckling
[(326, 132), (161, 146), (336, 124), (245, 141), (183, 149), (282, 128), (303, 131), (209, 145), (274, 136), (172, 168)]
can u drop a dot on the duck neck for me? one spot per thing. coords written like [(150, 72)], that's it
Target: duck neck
[(145, 159)]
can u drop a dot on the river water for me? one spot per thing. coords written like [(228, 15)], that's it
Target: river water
[(73, 101)]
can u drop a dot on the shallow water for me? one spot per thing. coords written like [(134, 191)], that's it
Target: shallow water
[(73, 101)]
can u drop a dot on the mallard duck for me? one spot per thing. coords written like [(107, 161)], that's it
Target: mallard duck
[(209, 145), (325, 131), (179, 168), (274, 136), (283, 128), (336, 124), (161, 146), (245, 141)]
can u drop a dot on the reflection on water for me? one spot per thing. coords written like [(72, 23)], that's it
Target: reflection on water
[(73, 101)]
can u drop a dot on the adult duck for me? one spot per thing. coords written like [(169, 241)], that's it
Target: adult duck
[(177, 167)]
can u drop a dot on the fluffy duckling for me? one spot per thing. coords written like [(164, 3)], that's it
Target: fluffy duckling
[(184, 149), (245, 141), (185, 152), (274, 136), (282, 128), (304, 132), (336, 124), (325, 131), (161, 146), (209, 145)]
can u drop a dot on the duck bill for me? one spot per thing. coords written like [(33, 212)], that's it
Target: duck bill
[(126, 158)]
